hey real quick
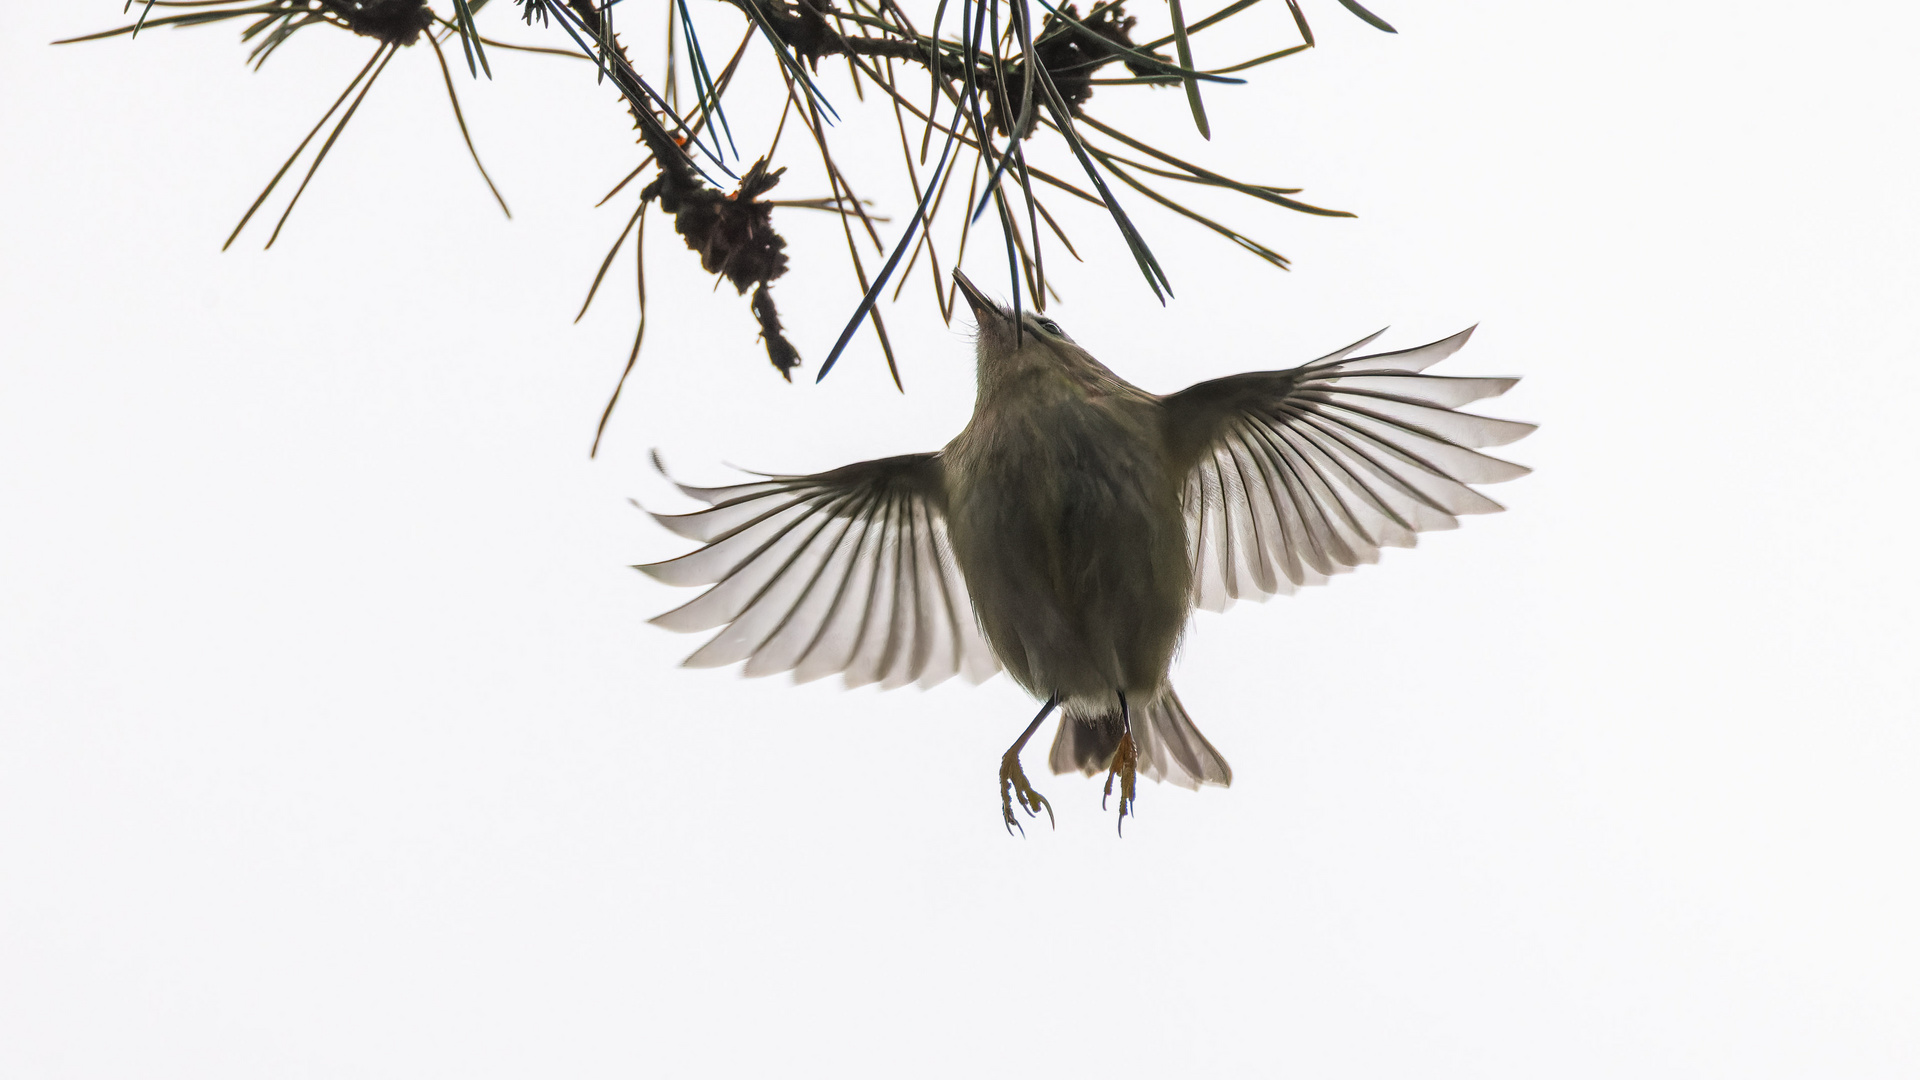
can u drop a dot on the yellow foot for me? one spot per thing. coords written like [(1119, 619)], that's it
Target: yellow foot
[(1013, 784), (1125, 758)]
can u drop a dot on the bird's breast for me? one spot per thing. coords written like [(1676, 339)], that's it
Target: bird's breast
[(1069, 532)]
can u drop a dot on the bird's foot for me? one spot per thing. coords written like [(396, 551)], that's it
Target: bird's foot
[(1126, 759), (1013, 784)]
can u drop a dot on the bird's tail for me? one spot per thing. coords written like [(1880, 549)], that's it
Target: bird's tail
[(1170, 747)]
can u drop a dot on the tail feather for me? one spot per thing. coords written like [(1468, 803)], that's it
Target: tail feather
[(1086, 743), (1170, 747)]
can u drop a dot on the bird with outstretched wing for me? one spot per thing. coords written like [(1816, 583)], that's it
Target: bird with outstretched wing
[(1067, 533)]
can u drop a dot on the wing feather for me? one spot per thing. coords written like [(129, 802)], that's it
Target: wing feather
[(1295, 476), (848, 572)]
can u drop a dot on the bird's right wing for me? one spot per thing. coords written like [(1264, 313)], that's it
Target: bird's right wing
[(843, 571), (1296, 475)]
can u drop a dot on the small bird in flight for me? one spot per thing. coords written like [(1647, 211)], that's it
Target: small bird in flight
[(1065, 534)]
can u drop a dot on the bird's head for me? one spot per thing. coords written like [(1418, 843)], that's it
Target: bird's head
[(1006, 347)]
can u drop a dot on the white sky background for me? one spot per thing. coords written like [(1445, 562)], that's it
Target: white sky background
[(336, 742)]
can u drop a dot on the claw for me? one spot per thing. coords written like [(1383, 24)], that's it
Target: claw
[(1014, 781), (1013, 784), (1125, 760)]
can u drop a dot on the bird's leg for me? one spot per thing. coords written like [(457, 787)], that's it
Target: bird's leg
[(1013, 779), (1126, 757)]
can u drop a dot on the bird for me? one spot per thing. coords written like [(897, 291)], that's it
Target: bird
[(1068, 532)]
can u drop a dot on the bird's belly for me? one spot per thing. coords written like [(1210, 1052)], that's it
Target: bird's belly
[(1074, 552)]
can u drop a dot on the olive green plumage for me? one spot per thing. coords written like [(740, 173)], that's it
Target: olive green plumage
[(1067, 532)]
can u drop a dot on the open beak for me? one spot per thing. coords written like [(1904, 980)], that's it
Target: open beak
[(976, 299)]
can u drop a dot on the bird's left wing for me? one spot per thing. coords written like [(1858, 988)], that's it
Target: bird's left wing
[(1296, 475), (843, 571)]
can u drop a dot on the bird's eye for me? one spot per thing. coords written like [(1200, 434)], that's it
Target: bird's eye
[(1048, 325)]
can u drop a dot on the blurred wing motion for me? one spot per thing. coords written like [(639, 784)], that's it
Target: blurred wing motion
[(1293, 476), (845, 571)]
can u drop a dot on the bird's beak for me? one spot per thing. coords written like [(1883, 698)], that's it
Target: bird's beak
[(976, 299)]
